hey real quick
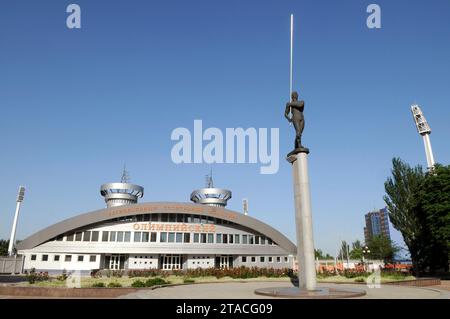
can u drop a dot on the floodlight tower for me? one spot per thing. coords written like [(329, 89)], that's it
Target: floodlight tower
[(210, 195), (123, 193), (12, 239), (424, 129)]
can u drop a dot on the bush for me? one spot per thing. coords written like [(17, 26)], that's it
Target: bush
[(98, 285), (359, 280), (96, 273), (113, 284), (63, 276), (155, 282), (138, 284), (188, 281), (32, 277)]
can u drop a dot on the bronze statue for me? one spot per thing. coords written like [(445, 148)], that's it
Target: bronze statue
[(296, 107)]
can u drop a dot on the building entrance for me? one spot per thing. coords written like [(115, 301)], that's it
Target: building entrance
[(115, 262), (224, 261), (169, 262)]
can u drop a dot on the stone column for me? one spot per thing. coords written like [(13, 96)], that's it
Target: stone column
[(303, 219)]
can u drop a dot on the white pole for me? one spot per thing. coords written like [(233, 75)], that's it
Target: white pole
[(12, 239), (292, 58), (428, 150), (13, 231)]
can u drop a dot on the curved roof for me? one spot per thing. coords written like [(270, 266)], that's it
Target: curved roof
[(157, 208)]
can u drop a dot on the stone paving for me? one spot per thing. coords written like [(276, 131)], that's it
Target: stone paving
[(246, 291)]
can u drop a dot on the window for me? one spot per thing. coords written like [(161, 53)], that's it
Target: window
[(94, 236), (218, 238), (263, 240), (251, 239), (269, 241), (187, 237), (137, 236), (196, 219), (112, 236), (172, 218), (179, 218), (262, 259), (69, 237), (188, 219), (93, 258), (139, 218), (236, 238), (230, 238), (225, 238), (153, 237), (244, 239), (87, 236), (203, 220), (211, 238), (278, 259), (127, 237), (56, 258), (203, 238), (171, 237), (33, 257), (164, 217), (285, 259), (105, 236), (68, 258), (145, 237), (154, 217), (44, 257), (210, 220), (244, 259), (80, 258), (196, 238), (78, 236), (163, 237), (253, 259), (270, 259), (59, 238), (257, 240), (179, 238), (120, 236)]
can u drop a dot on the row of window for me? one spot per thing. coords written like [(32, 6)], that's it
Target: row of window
[(168, 237), (174, 218), (67, 258), (263, 259)]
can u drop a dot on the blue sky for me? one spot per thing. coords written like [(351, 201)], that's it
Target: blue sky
[(76, 104)]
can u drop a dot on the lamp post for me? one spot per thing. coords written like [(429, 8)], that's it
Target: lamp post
[(365, 251)]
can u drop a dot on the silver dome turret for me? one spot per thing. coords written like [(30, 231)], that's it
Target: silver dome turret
[(123, 193)]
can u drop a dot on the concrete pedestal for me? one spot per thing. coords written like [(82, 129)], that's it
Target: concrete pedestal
[(303, 219), (305, 243)]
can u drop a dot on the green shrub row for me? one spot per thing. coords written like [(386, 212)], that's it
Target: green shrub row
[(237, 273), (149, 282)]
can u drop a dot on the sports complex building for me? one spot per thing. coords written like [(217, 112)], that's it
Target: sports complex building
[(157, 235)]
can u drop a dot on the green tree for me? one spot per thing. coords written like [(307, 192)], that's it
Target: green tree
[(356, 252), (434, 203), (4, 247), (343, 252), (319, 254), (419, 207), (382, 248), (402, 201)]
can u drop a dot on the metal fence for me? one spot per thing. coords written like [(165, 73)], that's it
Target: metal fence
[(11, 265)]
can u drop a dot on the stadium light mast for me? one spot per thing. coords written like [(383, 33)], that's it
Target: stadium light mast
[(424, 129), (12, 239)]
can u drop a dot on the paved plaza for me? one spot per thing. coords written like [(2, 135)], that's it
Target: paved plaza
[(246, 291)]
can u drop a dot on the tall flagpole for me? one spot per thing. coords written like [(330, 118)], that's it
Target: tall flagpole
[(292, 57)]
